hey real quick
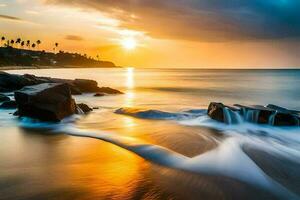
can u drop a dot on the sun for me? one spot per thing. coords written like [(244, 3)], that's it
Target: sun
[(129, 43)]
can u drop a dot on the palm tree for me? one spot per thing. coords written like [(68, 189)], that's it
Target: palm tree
[(28, 44), (98, 57), (12, 43), (33, 45), (38, 42), (18, 41), (2, 39), (56, 45), (22, 44)]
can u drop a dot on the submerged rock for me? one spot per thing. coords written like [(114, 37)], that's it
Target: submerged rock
[(83, 108), (99, 95), (47, 101), (8, 105)]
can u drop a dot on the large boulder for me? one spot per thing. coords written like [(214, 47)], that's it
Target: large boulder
[(47, 101), (215, 111)]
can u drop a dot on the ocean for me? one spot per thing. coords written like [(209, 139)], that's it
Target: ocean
[(164, 147)]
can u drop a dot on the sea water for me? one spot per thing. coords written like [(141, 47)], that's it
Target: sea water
[(156, 141)]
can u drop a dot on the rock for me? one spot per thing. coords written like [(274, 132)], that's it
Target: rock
[(270, 114), (261, 114), (285, 119), (4, 89), (12, 82), (46, 102), (95, 108), (83, 108), (16, 113), (215, 111), (284, 116), (8, 105), (282, 109), (4, 98), (108, 90), (75, 91), (99, 95), (85, 85)]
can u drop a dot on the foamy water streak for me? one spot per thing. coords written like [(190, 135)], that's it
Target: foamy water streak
[(226, 160)]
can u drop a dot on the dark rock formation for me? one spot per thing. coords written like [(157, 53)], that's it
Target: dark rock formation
[(83, 108), (8, 105), (284, 116), (99, 95), (270, 114), (85, 85), (215, 111), (4, 98), (256, 113), (108, 90), (47, 101), (12, 82), (285, 119)]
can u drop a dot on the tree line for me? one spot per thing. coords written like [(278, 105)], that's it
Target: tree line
[(19, 43)]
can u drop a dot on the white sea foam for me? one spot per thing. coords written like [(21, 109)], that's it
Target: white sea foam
[(227, 160)]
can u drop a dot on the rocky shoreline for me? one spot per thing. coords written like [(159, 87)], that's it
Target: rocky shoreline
[(45, 98), (271, 114)]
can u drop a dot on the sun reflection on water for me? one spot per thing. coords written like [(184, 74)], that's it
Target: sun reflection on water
[(130, 78), (130, 94)]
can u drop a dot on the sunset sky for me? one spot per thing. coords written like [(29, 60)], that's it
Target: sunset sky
[(165, 33)]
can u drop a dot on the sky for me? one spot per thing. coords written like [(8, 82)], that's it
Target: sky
[(165, 33)]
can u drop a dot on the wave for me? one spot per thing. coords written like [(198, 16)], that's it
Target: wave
[(161, 115), (228, 160), (151, 114)]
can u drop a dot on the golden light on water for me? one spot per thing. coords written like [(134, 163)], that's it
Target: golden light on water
[(130, 95), (130, 78)]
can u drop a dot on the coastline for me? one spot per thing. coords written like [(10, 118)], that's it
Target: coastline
[(2, 68)]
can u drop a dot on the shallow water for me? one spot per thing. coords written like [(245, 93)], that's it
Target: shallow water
[(172, 152)]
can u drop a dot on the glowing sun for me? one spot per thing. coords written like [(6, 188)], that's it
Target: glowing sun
[(129, 43)]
